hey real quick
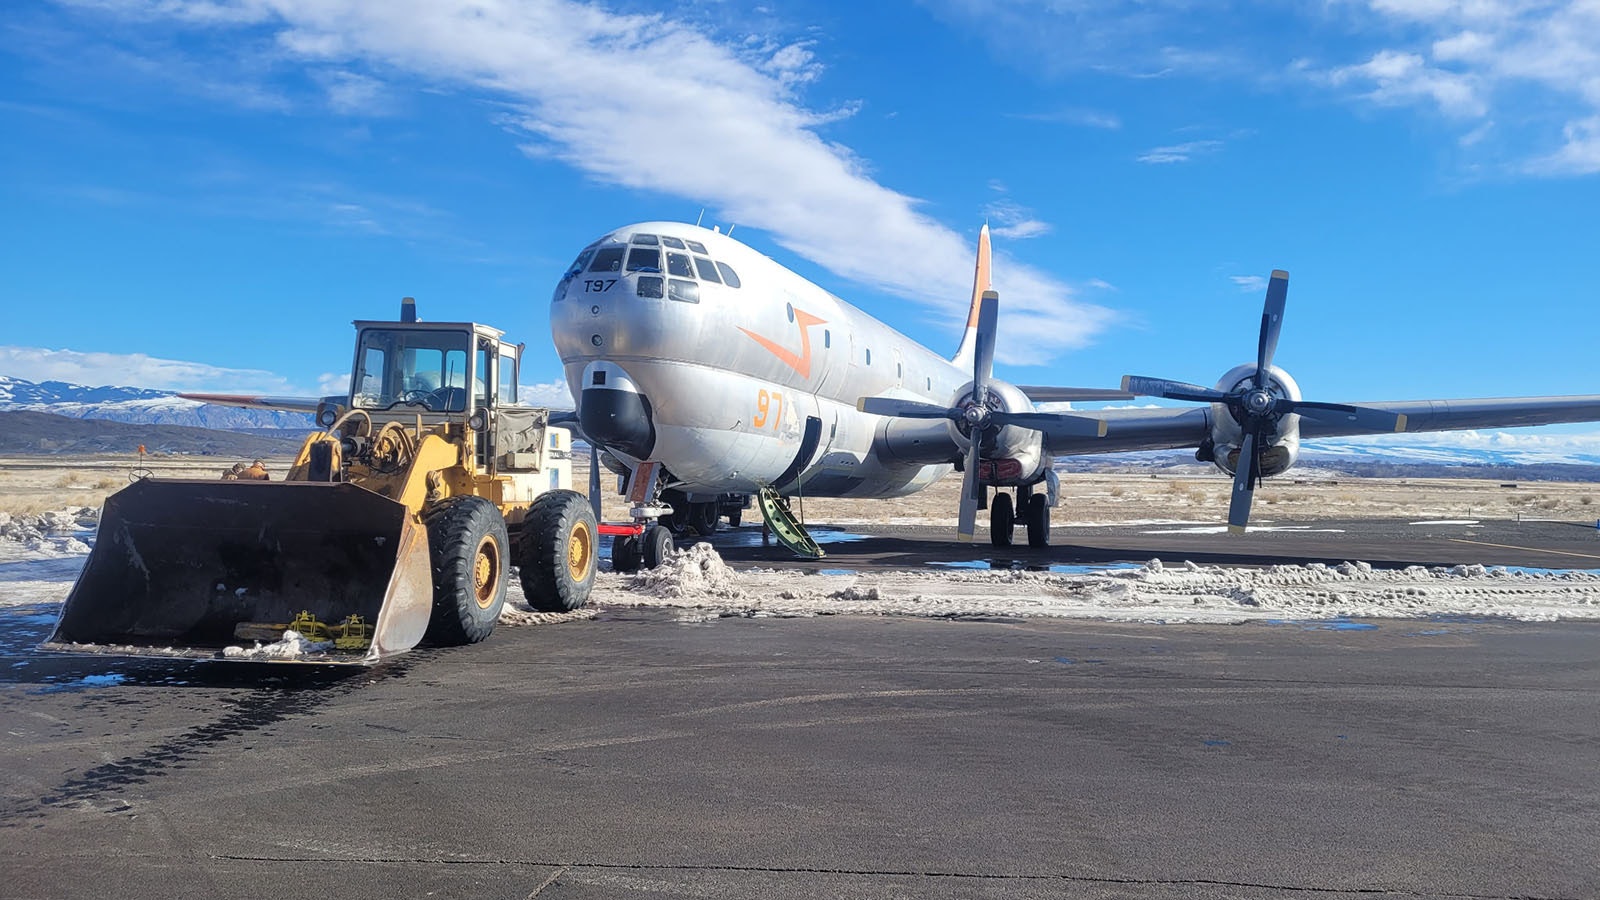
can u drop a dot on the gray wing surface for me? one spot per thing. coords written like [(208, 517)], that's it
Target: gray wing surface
[(1167, 429)]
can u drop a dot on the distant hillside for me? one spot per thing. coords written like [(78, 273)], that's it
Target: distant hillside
[(25, 432), (136, 405)]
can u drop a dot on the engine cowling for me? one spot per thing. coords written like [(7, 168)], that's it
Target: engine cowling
[(1011, 455), (1282, 446)]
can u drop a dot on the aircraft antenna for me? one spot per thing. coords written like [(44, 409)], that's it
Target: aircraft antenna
[(699, 217), (730, 230)]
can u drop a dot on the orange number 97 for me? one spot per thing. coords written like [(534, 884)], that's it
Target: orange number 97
[(769, 408)]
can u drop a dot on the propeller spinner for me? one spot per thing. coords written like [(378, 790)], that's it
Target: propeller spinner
[(1257, 409)]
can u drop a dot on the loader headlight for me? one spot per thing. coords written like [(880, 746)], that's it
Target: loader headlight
[(326, 417), (479, 421)]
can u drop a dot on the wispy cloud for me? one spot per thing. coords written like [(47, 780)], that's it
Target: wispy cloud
[(1014, 221), (1179, 153), (572, 74), (136, 370), (1083, 118), (1249, 283)]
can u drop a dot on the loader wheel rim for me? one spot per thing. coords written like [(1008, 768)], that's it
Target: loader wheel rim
[(580, 551), (486, 572)]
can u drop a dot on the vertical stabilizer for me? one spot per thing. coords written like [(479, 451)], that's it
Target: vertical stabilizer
[(980, 283)]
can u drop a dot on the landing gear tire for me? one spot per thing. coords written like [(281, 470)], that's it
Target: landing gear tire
[(703, 518), (1038, 521), (559, 552), (657, 545), (734, 517), (626, 554), (467, 543), (1002, 519)]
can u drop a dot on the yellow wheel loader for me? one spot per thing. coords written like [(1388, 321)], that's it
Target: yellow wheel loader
[(400, 522)]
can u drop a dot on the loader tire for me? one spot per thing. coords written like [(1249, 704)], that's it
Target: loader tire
[(559, 552), (467, 541)]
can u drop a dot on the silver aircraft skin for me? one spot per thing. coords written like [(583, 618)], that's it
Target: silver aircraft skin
[(687, 348)]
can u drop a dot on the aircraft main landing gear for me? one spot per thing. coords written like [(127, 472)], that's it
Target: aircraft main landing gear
[(1002, 519)]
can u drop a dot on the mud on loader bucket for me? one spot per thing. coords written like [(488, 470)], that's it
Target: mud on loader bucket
[(179, 566)]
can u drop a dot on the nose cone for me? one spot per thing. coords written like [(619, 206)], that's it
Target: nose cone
[(613, 413)]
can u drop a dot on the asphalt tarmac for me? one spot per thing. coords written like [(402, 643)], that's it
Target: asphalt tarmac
[(1383, 543), (634, 756)]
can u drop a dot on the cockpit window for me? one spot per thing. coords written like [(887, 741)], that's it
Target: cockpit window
[(685, 291), (650, 286), (644, 259), (678, 264), (729, 276), (579, 263), (672, 242), (649, 240), (698, 247), (708, 270), (607, 260)]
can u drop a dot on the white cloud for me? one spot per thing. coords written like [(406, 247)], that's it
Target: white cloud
[(1014, 221), (1084, 118), (610, 94), (1179, 153), (555, 394), (137, 370), (1400, 78), (1249, 283)]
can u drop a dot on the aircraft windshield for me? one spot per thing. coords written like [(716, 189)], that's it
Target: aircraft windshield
[(426, 369)]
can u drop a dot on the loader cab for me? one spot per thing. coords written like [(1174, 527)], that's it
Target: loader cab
[(439, 370)]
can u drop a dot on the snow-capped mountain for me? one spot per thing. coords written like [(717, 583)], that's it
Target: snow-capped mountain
[(137, 406)]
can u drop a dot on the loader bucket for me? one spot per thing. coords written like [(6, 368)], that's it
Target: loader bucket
[(184, 568)]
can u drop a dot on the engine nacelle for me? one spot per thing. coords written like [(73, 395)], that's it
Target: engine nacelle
[(1011, 456), (1282, 448)]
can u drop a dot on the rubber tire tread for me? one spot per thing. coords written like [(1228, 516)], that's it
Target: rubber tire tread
[(1002, 520), (455, 527), (547, 584), (1038, 521), (657, 544), (626, 555)]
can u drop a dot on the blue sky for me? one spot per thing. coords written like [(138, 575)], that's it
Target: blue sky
[(202, 194)]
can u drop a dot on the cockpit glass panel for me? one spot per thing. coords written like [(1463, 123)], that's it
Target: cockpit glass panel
[(580, 263), (672, 242), (698, 247), (412, 370), (685, 291), (608, 259), (678, 264), (650, 286), (707, 269), (644, 259), (729, 276), (649, 240)]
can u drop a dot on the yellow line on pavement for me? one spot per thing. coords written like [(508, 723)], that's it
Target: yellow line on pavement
[(1530, 549)]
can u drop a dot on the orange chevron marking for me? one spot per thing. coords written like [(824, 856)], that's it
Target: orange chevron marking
[(801, 362)]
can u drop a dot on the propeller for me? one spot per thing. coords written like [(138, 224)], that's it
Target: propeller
[(977, 417), (1257, 409)]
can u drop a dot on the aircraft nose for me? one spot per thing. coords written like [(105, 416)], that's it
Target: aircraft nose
[(612, 412)]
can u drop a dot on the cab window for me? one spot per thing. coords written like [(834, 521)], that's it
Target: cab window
[(508, 376), (425, 369)]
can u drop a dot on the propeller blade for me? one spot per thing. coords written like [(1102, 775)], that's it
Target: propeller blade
[(983, 360), (1244, 485), (594, 481), (1271, 323), (1374, 420), (1171, 390), (905, 409), (969, 494), (1075, 426)]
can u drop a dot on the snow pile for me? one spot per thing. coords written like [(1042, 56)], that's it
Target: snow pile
[(50, 532), (293, 645), (697, 573), (1156, 592)]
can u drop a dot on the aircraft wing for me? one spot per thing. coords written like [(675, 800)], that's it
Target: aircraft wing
[(1166, 429), (257, 401)]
